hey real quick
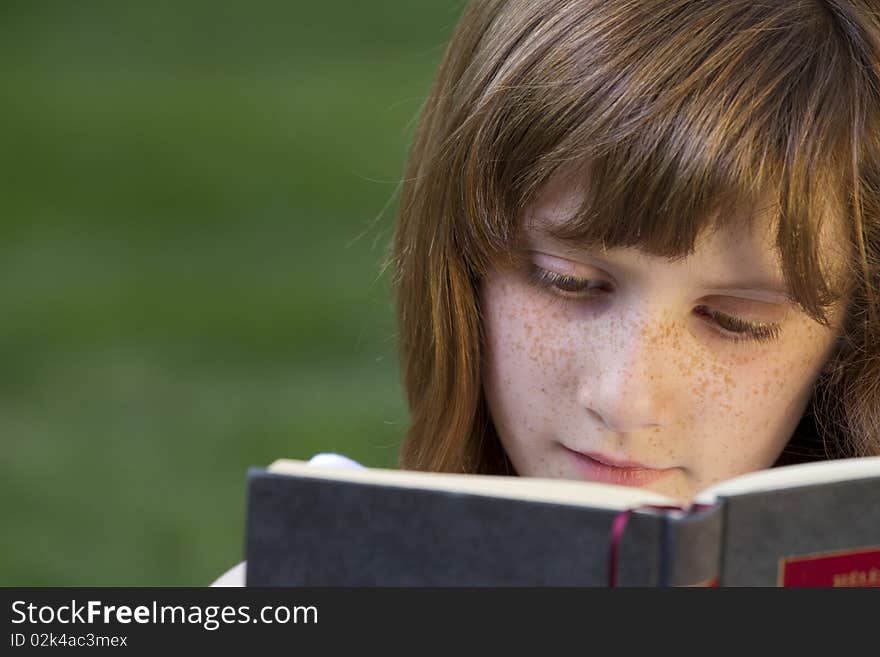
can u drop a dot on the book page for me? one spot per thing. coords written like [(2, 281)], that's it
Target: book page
[(557, 491), (790, 476)]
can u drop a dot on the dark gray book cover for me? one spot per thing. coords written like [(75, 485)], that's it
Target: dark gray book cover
[(818, 535), (314, 532)]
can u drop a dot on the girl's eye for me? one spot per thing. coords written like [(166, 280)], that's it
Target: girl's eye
[(740, 330), (572, 287), (567, 286)]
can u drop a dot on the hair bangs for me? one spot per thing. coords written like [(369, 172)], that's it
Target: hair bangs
[(669, 137)]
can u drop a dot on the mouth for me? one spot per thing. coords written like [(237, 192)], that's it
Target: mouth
[(606, 470)]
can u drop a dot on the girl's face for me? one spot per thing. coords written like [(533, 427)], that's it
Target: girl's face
[(624, 368)]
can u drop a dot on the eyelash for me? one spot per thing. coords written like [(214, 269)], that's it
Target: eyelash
[(571, 287)]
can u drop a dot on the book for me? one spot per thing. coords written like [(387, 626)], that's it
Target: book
[(813, 524)]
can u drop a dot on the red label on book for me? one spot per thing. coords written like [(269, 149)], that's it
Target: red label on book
[(859, 567)]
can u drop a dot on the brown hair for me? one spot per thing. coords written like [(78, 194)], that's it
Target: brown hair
[(681, 108)]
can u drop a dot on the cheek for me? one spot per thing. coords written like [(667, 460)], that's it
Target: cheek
[(531, 353), (752, 400), (783, 379)]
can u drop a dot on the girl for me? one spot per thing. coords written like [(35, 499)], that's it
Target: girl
[(639, 242)]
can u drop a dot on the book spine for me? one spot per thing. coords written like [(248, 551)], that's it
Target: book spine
[(691, 547), (635, 543)]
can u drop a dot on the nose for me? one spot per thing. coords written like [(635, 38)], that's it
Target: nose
[(631, 385)]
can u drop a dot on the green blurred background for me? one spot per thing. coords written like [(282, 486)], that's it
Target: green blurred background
[(197, 200)]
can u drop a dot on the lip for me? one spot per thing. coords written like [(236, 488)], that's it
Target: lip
[(606, 470)]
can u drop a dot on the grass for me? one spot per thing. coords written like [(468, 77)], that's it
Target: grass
[(184, 289)]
